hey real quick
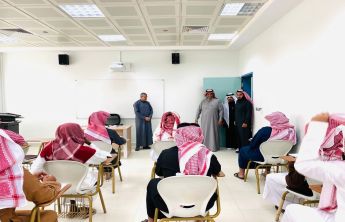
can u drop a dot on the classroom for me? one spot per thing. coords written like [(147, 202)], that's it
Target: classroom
[(172, 110)]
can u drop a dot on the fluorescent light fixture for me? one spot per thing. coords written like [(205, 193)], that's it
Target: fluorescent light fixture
[(232, 9), (82, 10), (112, 38), (221, 37), (7, 39)]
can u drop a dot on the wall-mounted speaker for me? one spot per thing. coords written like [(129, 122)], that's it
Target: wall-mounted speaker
[(63, 59), (175, 58)]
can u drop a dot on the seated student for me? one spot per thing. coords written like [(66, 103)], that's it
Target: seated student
[(189, 157), (18, 184), (69, 144), (321, 157), (96, 131), (166, 130), (280, 129), (276, 183)]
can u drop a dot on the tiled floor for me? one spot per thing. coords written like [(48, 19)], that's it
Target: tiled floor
[(239, 200)]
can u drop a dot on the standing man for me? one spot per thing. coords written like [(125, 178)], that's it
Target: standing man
[(211, 110), (243, 118), (143, 114), (229, 117)]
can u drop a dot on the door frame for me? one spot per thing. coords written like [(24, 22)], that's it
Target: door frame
[(248, 75)]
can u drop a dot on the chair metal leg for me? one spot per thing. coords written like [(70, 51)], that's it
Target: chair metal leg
[(257, 178), (277, 170), (102, 201), (280, 208), (247, 170), (90, 208), (113, 178), (33, 215), (153, 171), (119, 170), (155, 219), (59, 205), (38, 214)]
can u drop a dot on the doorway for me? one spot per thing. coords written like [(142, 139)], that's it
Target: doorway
[(247, 83)]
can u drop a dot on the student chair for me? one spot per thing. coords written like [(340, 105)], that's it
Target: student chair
[(306, 199), (157, 148), (271, 151), (187, 197), (107, 147), (75, 176), (36, 211)]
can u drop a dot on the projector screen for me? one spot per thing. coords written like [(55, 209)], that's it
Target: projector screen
[(117, 96)]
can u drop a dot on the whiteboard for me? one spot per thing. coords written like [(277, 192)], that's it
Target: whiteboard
[(118, 96)]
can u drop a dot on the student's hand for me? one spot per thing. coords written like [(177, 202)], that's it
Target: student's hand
[(47, 178), (221, 174), (25, 145), (147, 119), (220, 122), (322, 117), (244, 125), (40, 175)]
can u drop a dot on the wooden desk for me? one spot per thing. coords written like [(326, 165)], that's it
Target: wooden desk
[(124, 131)]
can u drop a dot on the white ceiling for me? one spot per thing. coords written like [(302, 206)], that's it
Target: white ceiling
[(141, 22)]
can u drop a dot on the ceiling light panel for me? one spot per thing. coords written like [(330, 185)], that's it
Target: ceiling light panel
[(7, 39), (232, 9), (112, 38), (216, 37), (82, 10)]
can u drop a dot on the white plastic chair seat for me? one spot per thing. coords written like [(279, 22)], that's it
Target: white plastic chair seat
[(159, 146), (272, 150), (68, 172), (103, 146), (187, 196)]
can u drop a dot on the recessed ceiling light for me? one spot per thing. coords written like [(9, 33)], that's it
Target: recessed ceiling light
[(217, 37), (232, 9), (82, 11), (7, 39), (112, 38)]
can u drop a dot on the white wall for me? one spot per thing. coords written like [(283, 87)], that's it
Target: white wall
[(1, 86), (298, 63), (41, 90)]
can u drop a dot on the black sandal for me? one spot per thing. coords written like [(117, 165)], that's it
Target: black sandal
[(236, 175)]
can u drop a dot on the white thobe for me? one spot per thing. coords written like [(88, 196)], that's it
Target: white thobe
[(309, 164)]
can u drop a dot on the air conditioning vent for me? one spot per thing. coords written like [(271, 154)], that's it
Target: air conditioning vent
[(250, 9), (195, 29)]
